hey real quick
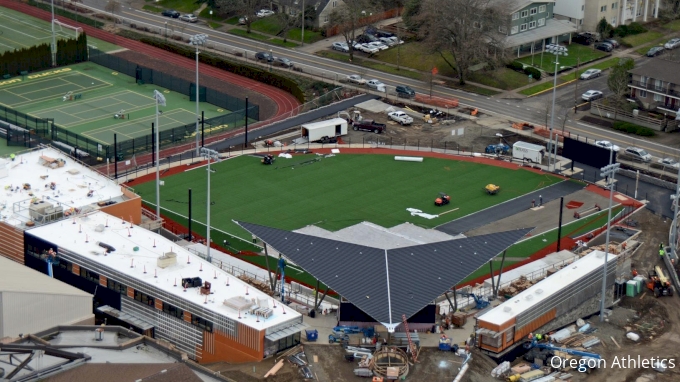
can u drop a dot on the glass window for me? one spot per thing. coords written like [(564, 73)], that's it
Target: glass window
[(118, 287), (525, 13), (603, 8), (541, 8), (658, 97), (643, 93), (202, 323), (532, 25), (173, 310), (144, 298), (94, 277), (65, 265), (523, 27), (615, 5), (541, 22), (514, 29), (515, 16), (533, 11)]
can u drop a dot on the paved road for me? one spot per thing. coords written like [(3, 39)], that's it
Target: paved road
[(513, 109)]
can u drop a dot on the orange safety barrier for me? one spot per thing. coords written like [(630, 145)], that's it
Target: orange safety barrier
[(474, 112)]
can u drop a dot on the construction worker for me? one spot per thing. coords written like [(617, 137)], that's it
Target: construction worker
[(539, 337), (661, 246), (661, 253)]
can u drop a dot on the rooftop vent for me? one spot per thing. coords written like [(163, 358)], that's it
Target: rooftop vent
[(99, 228), (529, 297), (507, 309), (168, 259), (108, 248), (539, 291)]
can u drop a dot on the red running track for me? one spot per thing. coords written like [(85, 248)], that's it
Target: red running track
[(285, 102)]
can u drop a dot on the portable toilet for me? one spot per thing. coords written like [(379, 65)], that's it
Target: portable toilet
[(631, 288)]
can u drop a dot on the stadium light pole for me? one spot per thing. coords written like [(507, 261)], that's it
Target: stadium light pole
[(160, 100), (54, 39), (557, 50), (197, 40), (608, 171), (674, 230), (210, 155)]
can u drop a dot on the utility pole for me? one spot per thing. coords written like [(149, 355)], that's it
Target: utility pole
[(608, 172), (578, 63)]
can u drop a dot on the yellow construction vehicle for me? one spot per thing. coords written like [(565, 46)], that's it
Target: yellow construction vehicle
[(659, 283)]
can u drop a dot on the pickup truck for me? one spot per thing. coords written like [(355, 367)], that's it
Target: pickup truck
[(369, 125), (400, 117)]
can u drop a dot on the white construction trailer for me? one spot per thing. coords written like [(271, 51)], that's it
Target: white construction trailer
[(528, 151), (330, 128)]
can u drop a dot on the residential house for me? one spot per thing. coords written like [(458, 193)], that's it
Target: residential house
[(656, 85), (586, 14), (323, 8), (531, 25)]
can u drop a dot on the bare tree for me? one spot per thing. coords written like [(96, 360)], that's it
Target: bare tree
[(618, 82), (467, 29), (245, 8), (289, 18), (112, 6), (349, 17)]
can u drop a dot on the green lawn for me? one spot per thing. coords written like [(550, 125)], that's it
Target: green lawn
[(182, 6), (501, 78), (603, 65), (673, 25), (261, 37), (641, 38), (297, 197), (577, 53)]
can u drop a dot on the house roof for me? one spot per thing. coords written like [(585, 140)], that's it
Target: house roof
[(387, 283), (127, 372), (15, 277), (659, 69), (553, 27), (515, 5)]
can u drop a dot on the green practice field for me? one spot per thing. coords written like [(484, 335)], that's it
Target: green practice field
[(18, 30), (337, 192), (102, 95)]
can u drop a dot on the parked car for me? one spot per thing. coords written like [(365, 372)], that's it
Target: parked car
[(380, 34), (264, 56), (394, 40), (341, 46), (369, 125), (638, 154), (377, 44), (170, 13), (591, 95), (607, 145), (582, 39), (591, 73), (243, 20), (366, 38), (400, 117), (613, 42), (655, 51), (672, 43), (264, 13), (366, 48), (282, 61), (604, 46), (356, 79), (190, 18), (405, 91), (669, 162), (376, 84)]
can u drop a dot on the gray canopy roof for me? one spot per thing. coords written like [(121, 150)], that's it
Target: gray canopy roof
[(387, 284)]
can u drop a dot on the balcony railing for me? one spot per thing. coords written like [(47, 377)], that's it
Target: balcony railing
[(650, 85)]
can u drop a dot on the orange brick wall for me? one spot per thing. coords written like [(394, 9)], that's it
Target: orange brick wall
[(187, 316), (129, 208), (103, 281), (130, 292), (11, 243), (75, 269), (159, 304), (219, 346)]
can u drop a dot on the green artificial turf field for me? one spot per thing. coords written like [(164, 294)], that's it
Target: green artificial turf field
[(333, 193)]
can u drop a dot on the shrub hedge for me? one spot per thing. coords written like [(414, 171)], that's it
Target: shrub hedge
[(519, 67), (257, 74), (624, 30), (39, 57), (632, 128)]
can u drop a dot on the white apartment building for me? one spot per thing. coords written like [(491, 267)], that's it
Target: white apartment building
[(587, 13)]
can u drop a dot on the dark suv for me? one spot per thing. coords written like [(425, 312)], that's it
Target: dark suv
[(582, 39), (264, 56), (405, 91), (170, 13)]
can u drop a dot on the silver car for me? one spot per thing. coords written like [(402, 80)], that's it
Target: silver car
[(591, 95), (356, 79), (672, 43), (591, 73), (190, 18), (376, 84)]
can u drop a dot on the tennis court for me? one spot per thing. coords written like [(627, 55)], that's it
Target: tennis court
[(18, 30), (96, 103)]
